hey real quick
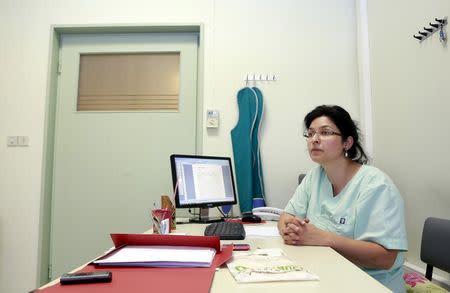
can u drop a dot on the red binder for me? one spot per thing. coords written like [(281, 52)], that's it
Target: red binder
[(163, 280)]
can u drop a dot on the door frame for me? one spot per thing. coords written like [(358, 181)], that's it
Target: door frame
[(50, 115)]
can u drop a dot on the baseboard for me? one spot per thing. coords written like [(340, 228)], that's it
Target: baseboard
[(441, 281)]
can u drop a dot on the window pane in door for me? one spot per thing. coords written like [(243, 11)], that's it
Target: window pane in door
[(129, 82)]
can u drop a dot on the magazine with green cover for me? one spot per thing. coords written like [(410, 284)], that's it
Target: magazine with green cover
[(266, 265)]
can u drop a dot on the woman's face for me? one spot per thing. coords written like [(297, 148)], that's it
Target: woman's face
[(325, 145)]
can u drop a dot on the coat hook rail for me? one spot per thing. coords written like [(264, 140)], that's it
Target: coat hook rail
[(438, 25), (260, 77)]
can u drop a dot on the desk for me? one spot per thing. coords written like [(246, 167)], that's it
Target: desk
[(336, 273)]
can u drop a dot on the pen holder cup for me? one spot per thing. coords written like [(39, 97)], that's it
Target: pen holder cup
[(161, 221), (166, 203)]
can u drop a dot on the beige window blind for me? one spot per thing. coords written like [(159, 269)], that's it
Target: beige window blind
[(129, 82)]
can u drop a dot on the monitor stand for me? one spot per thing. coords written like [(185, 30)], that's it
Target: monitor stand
[(205, 218)]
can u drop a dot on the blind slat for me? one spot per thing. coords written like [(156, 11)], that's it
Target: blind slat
[(143, 82)]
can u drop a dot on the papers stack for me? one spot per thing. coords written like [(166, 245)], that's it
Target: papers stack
[(266, 265), (159, 256)]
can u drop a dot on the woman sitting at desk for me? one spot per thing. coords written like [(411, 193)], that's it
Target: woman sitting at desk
[(344, 204)]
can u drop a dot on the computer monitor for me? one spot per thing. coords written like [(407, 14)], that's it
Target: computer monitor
[(202, 182)]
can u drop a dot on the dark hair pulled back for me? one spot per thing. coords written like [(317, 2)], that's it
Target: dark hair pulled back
[(346, 126)]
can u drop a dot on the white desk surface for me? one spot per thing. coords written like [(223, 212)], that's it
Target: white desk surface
[(336, 273)]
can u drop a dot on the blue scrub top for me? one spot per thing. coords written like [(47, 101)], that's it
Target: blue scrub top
[(245, 140), (369, 208)]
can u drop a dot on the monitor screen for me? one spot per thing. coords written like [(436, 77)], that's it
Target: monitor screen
[(202, 181)]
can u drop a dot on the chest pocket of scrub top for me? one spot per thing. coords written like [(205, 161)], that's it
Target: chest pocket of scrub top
[(342, 223)]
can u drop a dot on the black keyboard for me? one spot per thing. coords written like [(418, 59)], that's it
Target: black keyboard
[(226, 230)]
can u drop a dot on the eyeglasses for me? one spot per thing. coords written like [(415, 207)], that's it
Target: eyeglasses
[(322, 132)]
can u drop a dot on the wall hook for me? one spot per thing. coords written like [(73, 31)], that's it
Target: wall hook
[(440, 20), (428, 29), (423, 33), (435, 25), (418, 37)]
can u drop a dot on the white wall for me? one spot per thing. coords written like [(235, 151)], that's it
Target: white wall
[(309, 45), (411, 100)]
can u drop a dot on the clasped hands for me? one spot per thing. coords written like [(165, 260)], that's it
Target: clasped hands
[(297, 231)]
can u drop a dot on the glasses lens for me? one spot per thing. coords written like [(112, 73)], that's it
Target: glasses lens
[(326, 132), (309, 133)]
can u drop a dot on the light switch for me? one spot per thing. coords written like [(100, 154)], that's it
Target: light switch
[(22, 140)]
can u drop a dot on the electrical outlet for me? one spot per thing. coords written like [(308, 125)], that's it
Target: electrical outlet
[(11, 141)]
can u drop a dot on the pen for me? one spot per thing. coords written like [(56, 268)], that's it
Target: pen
[(239, 246)]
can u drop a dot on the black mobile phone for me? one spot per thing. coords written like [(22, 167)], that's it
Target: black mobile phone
[(86, 277)]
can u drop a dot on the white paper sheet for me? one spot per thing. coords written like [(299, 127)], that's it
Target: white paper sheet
[(260, 231), (161, 256)]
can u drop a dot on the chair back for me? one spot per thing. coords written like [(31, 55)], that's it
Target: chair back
[(435, 247), (300, 178)]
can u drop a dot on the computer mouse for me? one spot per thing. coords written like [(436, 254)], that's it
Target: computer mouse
[(251, 218)]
